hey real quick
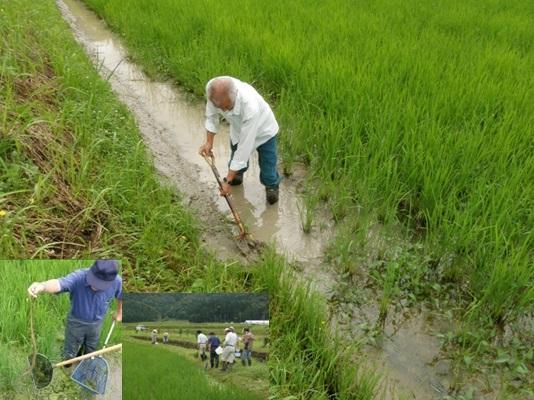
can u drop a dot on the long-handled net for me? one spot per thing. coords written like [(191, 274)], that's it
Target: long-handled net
[(40, 366), (92, 374), (41, 369)]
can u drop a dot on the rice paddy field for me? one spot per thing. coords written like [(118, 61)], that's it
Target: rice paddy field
[(412, 116), (178, 375), (414, 123), (182, 344), (76, 181), (49, 314), (414, 111)]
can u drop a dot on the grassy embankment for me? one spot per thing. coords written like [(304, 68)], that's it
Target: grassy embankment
[(413, 117), (76, 182)]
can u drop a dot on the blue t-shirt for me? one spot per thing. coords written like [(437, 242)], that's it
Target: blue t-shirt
[(215, 342), (86, 304)]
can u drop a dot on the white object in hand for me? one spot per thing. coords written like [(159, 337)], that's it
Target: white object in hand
[(35, 288)]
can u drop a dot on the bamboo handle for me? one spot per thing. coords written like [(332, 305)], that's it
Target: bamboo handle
[(90, 355), (109, 334)]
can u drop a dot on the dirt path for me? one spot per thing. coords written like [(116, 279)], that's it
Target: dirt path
[(114, 385), (172, 129)]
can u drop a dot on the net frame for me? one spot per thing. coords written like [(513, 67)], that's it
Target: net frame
[(92, 370), (42, 370)]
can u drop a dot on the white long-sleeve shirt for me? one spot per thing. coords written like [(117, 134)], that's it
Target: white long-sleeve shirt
[(202, 339), (230, 339), (251, 120)]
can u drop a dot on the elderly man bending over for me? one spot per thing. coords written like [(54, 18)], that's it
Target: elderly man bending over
[(252, 127)]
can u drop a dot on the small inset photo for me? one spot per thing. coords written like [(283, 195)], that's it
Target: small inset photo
[(60, 329), (196, 346)]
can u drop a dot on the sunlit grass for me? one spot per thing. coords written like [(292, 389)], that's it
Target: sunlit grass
[(161, 374), (80, 183), (420, 112)]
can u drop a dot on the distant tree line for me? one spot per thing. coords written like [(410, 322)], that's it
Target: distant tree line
[(219, 307)]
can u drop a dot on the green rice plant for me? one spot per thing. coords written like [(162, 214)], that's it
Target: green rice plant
[(174, 376), (388, 291), (49, 311), (253, 379), (307, 207), (422, 117), (308, 359), (75, 177), (11, 366)]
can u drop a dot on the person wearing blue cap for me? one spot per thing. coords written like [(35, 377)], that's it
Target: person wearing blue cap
[(91, 291)]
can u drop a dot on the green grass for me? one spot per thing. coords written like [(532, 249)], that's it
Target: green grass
[(75, 177), (49, 314), (420, 112), (254, 379), (49, 311), (175, 376), (414, 117), (75, 180)]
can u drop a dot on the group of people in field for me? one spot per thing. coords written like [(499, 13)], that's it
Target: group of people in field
[(231, 347), (225, 351), (154, 337)]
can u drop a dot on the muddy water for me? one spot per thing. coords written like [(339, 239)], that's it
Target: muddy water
[(172, 128), (178, 123), (408, 353)]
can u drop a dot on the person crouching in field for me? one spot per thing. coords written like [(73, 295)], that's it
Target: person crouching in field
[(246, 354), (165, 337), (213, 343), (154, 336), (202, 341), (252, 127), (229, 345), (91, 291)]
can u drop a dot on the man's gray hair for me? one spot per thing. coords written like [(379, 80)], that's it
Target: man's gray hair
[(221, 83)]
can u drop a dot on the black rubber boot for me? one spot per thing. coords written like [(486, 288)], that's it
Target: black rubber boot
[(272, 194), (238, 179), (243, 362), (249, 362)]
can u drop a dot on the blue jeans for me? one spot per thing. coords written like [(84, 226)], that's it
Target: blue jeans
[(246, 355), (267, 157), (80, 333), (214, 360)]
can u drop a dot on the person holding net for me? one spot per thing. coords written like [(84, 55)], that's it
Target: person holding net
[(91, 291)]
